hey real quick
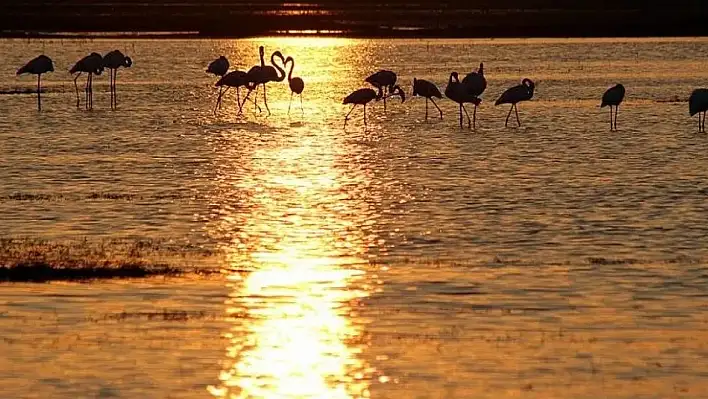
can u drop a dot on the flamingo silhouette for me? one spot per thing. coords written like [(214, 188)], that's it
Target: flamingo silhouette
[(458, 93), (91, 64), (365, 96), (114, 60), (235, 79), (613, 97), (262, 74), (428, 90), (219, 67), (698, 104), (516, 94), (297, 85), (383, 79), (37, 66), (475, 83)]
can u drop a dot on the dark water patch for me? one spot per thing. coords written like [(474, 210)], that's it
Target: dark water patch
[(97, 196), (611, 261), (39, 272), (22, 90), (164, 315)]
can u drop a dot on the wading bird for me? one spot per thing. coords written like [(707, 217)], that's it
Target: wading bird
[(457, 92), (513, 95), (428, 90), (613, 97), (262, 74), (112, 61), (37, 66), (384, 81), (219, 67), (235, 79), (297, 85), (698, 104), (92, 64), (475, 83), (365, 96)]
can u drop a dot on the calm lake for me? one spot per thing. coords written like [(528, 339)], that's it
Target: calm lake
[(404, 259)]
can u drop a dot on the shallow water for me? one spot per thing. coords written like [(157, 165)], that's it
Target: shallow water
[(402, 259)]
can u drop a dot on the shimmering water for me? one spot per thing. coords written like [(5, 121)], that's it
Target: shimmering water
[(407, 259)]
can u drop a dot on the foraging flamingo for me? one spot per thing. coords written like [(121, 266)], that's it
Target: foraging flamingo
[(235, 79), (428, 90), (262, 74), (457, 92), (613, 97), (37, 66), (383, 79), (112, 61), (297, 85), (698, 104), (516, 94), (219, 67), (92, 64), (365, 96), (475, 83)]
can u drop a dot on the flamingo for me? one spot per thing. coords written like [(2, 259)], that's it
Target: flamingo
[(262, 74), (698, 104), (383, 79), (365, 96), (613, 97), (219, 67), (112, 61), (297, 85), (428, 90), (513, 95), (91, 64), (37, 66), (234, 79), (475, 83), (457, 92)]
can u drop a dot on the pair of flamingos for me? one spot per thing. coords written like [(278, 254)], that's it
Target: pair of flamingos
[(92, 64), (257, 75), (466, 91)]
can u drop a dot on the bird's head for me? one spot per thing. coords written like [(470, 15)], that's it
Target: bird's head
[(261, 50), (397, 91), (127, 62), (481, 68), (454, 77)]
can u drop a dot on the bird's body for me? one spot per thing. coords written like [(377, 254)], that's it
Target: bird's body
[(297, 85), (475, 82), (365, 96), (262, 74), (516, 94), (37, 66), (613, 97), (384, 81), (428, 90), (235, 79), (458, 93), (112, 61), (698, 104), (92, 64)]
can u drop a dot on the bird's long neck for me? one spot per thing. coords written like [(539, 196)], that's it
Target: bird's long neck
[(279, 69), (290, 60)]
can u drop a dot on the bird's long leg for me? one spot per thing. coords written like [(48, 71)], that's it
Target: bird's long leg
[(218, 100), (474, 118), (436, 106), (238, 99), (221, 89), (426, 108), (460, 115), (115, 89), (506, 124), (265, 99), (86, 104), (291, 101), (39, 95), (346, 117), (469, 123), (617, 108), (517, 115), (384, 104), (90, 90), (365, 114), (611, 128), (301, 107), (76, 86), (255, 100), (703, 124)]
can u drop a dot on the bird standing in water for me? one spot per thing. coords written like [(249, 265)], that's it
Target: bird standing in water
[(92, 64), (428, 90), (37, 66), (613, 97), (219, 67), (698, 104), (514, 95), (365, 96), (112, 61)]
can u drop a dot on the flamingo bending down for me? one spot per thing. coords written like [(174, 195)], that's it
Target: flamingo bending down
[(383, 79), (234, 79), (365, 96), (219, 67), (613, 97), (428, 90), (112, 61), (92, 64), (262, 74), (37, 66), (475, 83), (698, 104), (297, 85), (513, 95), (457, 92)]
